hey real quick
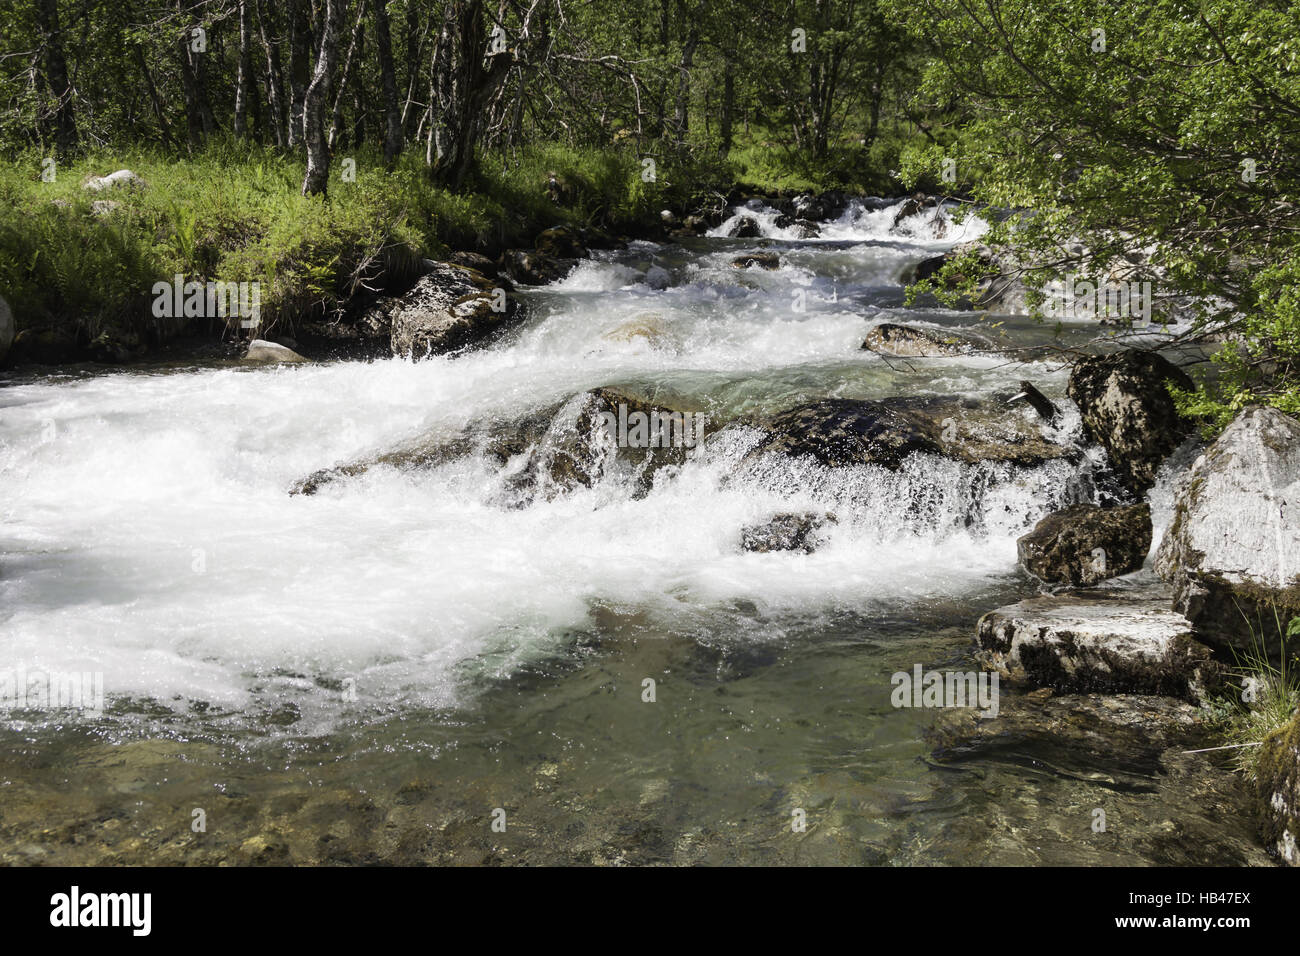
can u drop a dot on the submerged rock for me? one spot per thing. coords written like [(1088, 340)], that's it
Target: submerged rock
[(1127, 409), (1277, 789), (267, 352), (1103, 641), (839, 432), (1232, 550), (764, 260), (786, 532), (890, 338), (1084, 544), (449, 309)]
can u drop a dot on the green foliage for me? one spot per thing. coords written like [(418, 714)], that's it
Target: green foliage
[(1140, 151)]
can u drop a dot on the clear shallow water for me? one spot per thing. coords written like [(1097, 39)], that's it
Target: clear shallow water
[(365, 674)]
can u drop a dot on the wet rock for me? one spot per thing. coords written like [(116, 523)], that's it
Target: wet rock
[(1127, 409), (1277, 789), (1102, 641), (746, 227), (927, 268), (658, 278), (764, 260), (450, 309), (49, 345), (560, 242), (123, 177), (912, 341), (805, 228), (819, 208), (649, 327), (839, 432), (696, 225), (1036, 400), (911, 207), (116, 346), (7, 329), (786, 532), (530, 267), (1084, 544), (269, 353), (1232, 550), (476, 261)]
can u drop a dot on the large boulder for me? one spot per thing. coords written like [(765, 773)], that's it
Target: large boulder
[(1084, 544), (1277, 789), (839, 432), (7, 329), (123, 177), (1232, 550), (1103, 641), (450, 309), (560, 242), (1126, 408)]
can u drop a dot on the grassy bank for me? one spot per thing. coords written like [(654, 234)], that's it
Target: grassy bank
[(76, 264)]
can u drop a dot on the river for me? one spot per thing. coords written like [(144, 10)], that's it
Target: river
[(381, 671)]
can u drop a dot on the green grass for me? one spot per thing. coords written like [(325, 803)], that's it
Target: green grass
[(234, 213), (1269, 678)]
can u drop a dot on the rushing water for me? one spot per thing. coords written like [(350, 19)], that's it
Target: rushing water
[(367, 673)]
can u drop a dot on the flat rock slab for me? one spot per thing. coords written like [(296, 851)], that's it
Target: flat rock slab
[(1107, 641)]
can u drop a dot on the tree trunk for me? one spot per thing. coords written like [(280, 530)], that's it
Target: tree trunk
[(728, 104), (56, 75), (463, 88), (683, 113), (274, 81), (299, 54), (318, 157), (354, 49), (244, 74), (388, 80)]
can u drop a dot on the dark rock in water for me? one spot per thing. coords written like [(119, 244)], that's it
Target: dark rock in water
[(839, 432), (1277, 791), (450, 309), (746, 227), (1036, 400), (7, 329), (1127, 409), (1084, 544), (530, 267), (927, 268), (911, 207), (1232, 550), (806, 229), (560, 242), (1101, 641), (786, 532), (478, 262), (696, 225), (819, 208), (910, 341), (765, 260)]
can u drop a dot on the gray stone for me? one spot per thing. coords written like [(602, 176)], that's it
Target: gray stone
[(1126, 408), (269, 353), (1103, 641), (451, 309), (1232, 549)]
